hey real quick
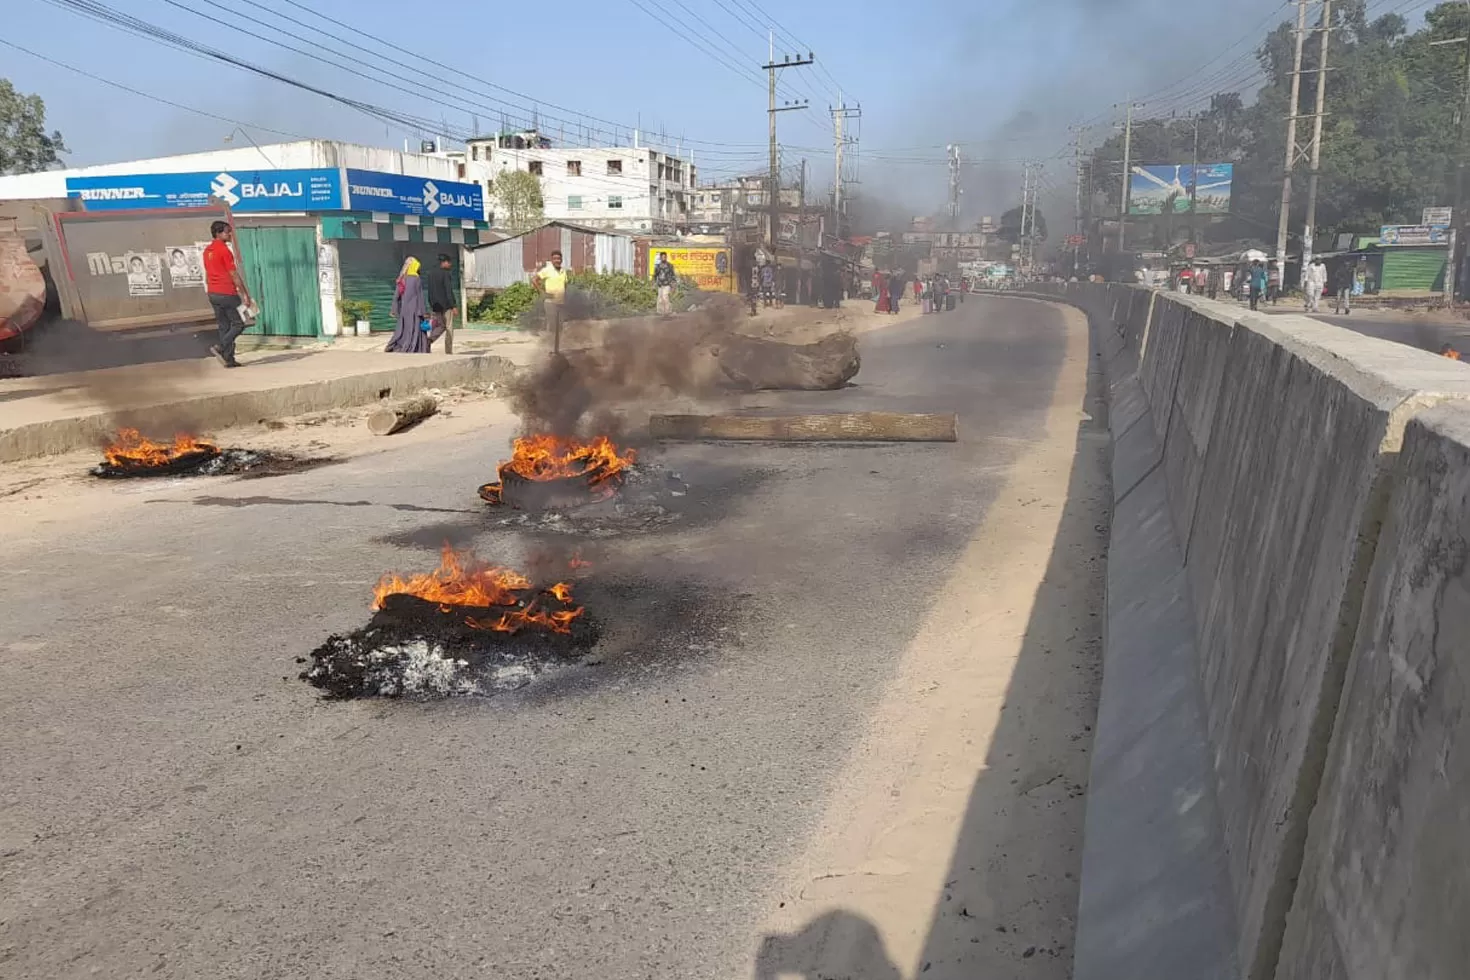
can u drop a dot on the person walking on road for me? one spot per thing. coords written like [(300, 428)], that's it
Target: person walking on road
[(665, 279), (1342, 286), (411, 309), (225, 287), (895, 290), (883, 301), (1313, 282), (551, 281), (442, 304), (1257, 282)]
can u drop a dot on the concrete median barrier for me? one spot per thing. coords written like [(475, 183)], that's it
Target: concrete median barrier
[(1383, 890), (1268, 450)]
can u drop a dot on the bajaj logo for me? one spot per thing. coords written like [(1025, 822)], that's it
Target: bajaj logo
[(434, 198), (231, 191), (223, 187)]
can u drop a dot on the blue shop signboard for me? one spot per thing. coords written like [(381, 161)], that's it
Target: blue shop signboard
[(246, 191), (369, 190)]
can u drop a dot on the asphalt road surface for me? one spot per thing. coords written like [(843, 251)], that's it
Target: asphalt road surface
[(839, 727)]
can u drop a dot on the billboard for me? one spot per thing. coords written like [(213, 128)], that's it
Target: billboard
[(245, 191), (1164, 188), (1414, 235), (369, 190), (709, 267)]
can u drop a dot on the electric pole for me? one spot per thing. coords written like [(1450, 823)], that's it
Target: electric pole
[(954, 185), (801, 231), (1457, 220), (1194, 187), (1127, 169), (1077, 206), (1028, 215), (839, 143), (1291, 147), (1310, 229), (773, 223)]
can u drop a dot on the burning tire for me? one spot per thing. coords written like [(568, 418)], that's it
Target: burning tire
[(547, 472), (131, 454), (466, 628)]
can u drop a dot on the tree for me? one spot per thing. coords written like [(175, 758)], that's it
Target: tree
[(520, 206), (24, 144), (1010, 227), (1390, 137)]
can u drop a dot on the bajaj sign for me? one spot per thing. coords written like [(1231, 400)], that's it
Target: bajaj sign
[(252, 191), (369, 190)]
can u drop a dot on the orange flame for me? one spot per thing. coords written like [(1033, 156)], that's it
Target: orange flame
[(548, 457), (464, 581), (132, 449)]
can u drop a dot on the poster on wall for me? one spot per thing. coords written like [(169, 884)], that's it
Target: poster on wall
[(185, 266), (145, 273), (708, 267), (1165, 188)]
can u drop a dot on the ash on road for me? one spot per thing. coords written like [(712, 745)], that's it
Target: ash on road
[(869, 760)]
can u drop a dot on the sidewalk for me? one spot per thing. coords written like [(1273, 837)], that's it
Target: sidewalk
[(59, 413)]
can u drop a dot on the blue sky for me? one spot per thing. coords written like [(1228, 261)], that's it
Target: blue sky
[(1002, 78)]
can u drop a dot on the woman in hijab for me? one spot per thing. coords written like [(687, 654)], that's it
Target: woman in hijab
[(411, 309)]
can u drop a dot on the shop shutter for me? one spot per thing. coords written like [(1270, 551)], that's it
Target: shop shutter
[(369, 271), (280, 270), (1419, 269)]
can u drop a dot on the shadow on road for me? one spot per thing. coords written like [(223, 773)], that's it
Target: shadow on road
[(838, 944), (1010, 894)]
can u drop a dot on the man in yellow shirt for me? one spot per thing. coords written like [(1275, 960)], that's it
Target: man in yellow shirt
[(551, 281)]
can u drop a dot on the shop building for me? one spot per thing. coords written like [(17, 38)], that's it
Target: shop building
[(127, 238)]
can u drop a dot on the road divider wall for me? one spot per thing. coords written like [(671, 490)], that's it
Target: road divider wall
[(1269, 449)]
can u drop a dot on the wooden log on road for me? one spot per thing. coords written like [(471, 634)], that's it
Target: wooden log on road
[(400, 415), (845, 427)]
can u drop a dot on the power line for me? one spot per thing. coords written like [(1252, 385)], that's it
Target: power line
[(102, 14), (147, 95)]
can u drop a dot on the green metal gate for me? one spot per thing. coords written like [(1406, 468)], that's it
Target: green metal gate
[(280, 271)]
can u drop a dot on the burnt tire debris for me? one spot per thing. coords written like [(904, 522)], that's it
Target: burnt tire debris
[(246, 463), (417, 649)]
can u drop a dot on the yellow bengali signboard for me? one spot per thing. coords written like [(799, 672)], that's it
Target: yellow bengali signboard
[(708, 266)]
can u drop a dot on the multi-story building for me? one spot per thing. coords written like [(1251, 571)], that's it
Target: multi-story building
[(738, 203), (630, 188)]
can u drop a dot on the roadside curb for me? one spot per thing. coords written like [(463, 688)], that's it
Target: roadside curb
[(216, 411), (1155, 890)]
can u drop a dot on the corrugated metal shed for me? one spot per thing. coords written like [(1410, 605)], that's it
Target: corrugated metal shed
[(499, 264)]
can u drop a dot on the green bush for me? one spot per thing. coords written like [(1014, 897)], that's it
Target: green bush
[(354, 310), (505, 306), (606, 295)]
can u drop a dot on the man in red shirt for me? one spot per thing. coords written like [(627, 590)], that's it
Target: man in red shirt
[(226, 289)]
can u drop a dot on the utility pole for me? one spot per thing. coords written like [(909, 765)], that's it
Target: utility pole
[(1458, 238), (1127, 169), (801, 232), (1291, 147), (1077, 206), (954, 185), (839, 143), (1309, 230), (1028, 214), (773, 223), (1194, 187)]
